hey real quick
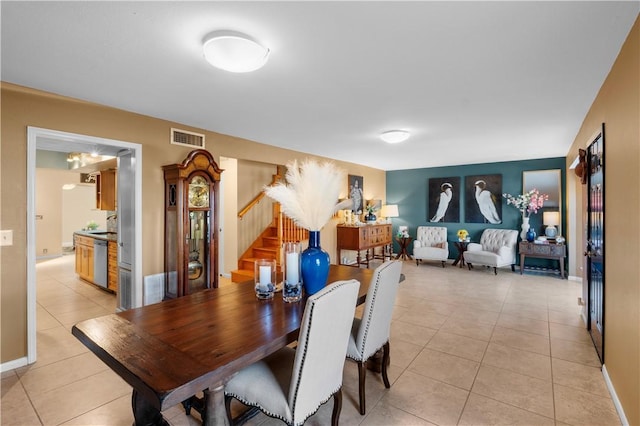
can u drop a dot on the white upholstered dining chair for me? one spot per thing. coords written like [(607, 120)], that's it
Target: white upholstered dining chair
[(371, 332), (291, 385)]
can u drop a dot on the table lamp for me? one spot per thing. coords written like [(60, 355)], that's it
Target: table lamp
[(551, 220), (389, 210)]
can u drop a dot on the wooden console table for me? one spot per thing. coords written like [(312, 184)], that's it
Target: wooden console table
[(544, 251), (365, 237)]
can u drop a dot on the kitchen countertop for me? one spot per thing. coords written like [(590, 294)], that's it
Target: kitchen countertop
[(99, 235)]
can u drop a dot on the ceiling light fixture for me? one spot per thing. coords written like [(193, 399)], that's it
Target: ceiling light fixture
[(73, 156), (234, 51), (395, 136)]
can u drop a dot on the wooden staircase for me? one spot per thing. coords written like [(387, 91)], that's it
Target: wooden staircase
[(266, 246)]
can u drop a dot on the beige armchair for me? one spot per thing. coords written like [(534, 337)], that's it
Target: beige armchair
[(497, 248), (431, 244)]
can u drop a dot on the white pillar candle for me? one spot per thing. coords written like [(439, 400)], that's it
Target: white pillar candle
[(265, 275), (292, 267)]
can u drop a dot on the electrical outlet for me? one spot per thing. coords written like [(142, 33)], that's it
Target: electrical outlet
[(6, 238), (45, 251)]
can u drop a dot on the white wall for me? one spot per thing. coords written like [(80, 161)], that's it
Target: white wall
[(78, 208), (229, 216), (62, 211)]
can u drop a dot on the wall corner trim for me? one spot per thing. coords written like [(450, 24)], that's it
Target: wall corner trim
[(614, 397)]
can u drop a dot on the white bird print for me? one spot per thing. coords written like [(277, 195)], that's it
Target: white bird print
[(486, 202), (443, 202)]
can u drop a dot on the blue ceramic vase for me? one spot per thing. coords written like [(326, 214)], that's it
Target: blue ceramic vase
[(314, 265), (531, 235)]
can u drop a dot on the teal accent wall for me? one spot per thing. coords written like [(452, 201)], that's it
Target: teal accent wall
[(409, 190)]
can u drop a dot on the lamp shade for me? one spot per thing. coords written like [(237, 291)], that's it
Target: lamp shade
[(389, 210), (234, 52), (551, 218)]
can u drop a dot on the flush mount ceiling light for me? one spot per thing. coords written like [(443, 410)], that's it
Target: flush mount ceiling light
[(234, 51), (395, 136)]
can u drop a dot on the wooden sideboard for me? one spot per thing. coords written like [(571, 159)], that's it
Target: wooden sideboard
[(364, 238)]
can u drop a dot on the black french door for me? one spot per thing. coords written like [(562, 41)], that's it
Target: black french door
[(595, 242)]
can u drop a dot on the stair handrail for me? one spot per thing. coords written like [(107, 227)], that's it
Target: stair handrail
[(251, 204), (256, 200)]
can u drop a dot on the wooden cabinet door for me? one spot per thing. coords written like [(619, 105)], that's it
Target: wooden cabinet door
[(84, 265), (112, 267), (106, 190), (79, 252), (86, 262)]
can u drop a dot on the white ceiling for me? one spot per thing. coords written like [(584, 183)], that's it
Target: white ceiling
[(474, 82)]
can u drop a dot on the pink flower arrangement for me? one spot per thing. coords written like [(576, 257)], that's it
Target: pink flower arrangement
[(527, 203)]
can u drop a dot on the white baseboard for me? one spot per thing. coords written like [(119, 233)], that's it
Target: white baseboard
[(583, 315), (574, 278), (614, 397), (11, 365)]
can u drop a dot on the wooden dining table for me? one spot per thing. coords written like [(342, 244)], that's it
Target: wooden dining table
[(174, 349)]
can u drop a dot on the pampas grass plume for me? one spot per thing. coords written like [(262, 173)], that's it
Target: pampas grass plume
[(310, 194)]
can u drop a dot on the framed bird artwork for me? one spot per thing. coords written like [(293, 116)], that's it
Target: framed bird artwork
[(483, 199), (444, 200)]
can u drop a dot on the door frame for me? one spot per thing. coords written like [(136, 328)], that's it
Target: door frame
[(33, 134)]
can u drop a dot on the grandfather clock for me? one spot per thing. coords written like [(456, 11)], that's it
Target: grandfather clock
[(191, 224)]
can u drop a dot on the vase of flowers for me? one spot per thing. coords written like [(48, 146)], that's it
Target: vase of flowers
[(524, 228), (370, 217), (528, 203), (310, 197), (463, 235), (92, 225)]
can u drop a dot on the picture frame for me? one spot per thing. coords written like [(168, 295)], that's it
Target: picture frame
[(443, 200), (483, 199), (356, 193)]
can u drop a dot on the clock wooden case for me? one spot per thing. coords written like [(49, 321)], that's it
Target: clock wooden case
[(191, 224)]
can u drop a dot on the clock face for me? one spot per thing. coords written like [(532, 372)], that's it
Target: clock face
[(198, 192)]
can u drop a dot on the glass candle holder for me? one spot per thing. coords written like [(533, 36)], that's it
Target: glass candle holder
[(292, 285), (265, 278)]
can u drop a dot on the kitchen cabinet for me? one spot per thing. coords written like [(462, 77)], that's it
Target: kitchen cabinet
[(191, 224), (112, 278), (84, 257), (106, 190)]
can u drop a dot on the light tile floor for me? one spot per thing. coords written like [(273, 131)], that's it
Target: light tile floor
[(467, 348)]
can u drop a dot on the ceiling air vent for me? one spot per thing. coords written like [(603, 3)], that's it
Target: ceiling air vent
[(182, 137)]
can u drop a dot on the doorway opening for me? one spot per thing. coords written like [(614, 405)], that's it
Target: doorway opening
[(53, 140)]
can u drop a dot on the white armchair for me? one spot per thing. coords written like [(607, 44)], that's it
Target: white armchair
[(431, 244), (497, 248)]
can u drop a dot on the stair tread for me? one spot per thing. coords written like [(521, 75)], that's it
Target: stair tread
[(253, 259), (243, 271)]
